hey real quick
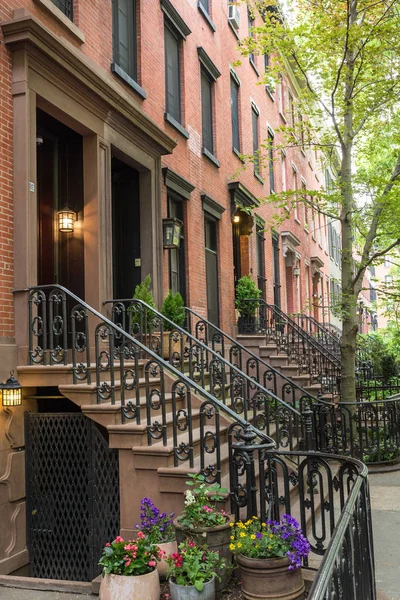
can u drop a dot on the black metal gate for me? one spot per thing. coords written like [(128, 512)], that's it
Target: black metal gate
[(72, 491)]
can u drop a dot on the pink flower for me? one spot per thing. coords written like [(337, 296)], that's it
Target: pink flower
[(119, 539), (141, 535), (130, 547), (191, 544), (152, 563), (108, 544), (162, 554)]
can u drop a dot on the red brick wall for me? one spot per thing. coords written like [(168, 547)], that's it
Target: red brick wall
[(93, 17)]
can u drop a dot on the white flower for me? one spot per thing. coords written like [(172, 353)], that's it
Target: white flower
[(190, 499)]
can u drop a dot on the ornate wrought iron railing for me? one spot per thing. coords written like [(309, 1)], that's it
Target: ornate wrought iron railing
[(318, 493), (246, 360), (319, 332), (348, 569), (369, 431), (208, 366), (322, 367), (64, 330)]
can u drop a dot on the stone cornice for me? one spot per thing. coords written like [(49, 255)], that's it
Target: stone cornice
[(175, 18), (208, 64), (26, 32), (241, 195), (177, 183), (211, 206)]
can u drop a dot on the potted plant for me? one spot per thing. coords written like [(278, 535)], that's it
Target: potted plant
[(204, 523), (174, 309), (158, 529), (269, 558), (142, 320), (129, 569), (246, 303), (193, 571)]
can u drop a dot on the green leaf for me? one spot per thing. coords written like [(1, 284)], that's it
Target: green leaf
[(199, 585)]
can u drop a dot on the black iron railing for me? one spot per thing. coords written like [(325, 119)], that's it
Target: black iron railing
[(208, 367), (369, 431), (318, 332), (311, 357), (151, 392), (257, 368), (348, 569)]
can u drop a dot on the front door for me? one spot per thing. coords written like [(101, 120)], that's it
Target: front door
[(72, 495), (277, 276), (126, 229), (59, 185), (212, 270)]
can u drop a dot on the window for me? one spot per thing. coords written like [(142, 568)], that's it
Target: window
[(65, 6), (388, 262), (388, 281), (280, 96), (125, 36), (177, 266), (330, 240), (301, 125), (250, 21), (254, 120), (291, 111), (205, 4), (235, 114), (296, 212), (283, 173), (260, 243), (304, 189), (206, 111), (172, 74), (271, 161)]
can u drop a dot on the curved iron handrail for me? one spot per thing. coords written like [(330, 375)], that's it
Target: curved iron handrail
[(236, 344), (323, 336), (347, 569), (167, 366)]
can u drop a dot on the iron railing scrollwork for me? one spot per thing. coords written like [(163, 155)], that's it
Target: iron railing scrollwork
[(149, 390), (312, 358), (319, 332)]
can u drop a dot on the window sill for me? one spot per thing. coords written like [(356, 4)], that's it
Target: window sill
[(270, 93), (310, 165), (234, 30), (253, 64), (297, 220), (61, 18), (258, 176), (238, 154), (303, 152), (207, 17), (169, 119), (282, 116), (211, 157), (127, 79), (306, 229)]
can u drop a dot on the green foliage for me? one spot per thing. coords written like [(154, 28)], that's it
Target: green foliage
[(129, 557), (139, 313), (173, 309), (144, 292), (194, 565), (200, 504), (246, 290), (376, 349)]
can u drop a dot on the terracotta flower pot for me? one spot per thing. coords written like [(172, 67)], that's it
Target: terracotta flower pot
[(169, 548), (216, 538), (145, 587), (269, 579), (189, 592)]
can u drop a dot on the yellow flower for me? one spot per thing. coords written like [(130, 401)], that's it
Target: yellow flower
[(263, 524), (239, 545), (242, 534), (231, 524), (253, 537), (269, 547), (255, 518), (232, 546), (271, 535)]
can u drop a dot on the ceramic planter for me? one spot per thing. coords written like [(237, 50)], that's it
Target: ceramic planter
[(216, 538), (145, 587), (269, 579), (189, 592), (169, 548)]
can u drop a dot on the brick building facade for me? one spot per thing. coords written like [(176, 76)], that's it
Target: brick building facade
[(124, 150)]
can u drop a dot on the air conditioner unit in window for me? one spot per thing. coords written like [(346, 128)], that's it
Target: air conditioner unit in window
[(234, 16)]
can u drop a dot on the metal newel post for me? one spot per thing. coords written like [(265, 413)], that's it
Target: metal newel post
[(308, 420)]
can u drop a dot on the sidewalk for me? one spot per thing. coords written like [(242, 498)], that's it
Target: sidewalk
[(385, 502)]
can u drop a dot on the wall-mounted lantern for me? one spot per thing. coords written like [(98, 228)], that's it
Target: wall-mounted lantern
[(66, 220), (172, 233), (11, 391), (236, 216), (296, 272)]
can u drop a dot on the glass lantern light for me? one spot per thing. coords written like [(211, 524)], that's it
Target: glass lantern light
[(66, 220), (172, 233), (11, 391)]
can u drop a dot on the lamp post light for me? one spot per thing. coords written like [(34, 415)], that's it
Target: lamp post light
[(66, 220)]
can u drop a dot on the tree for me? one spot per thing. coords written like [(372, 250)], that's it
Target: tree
[(345, 54)]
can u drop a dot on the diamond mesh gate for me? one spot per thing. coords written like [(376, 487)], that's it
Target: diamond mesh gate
[(72, 490)]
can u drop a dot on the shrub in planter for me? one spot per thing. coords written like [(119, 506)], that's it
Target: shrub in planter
[(192, 572), (138, 312), (269, 557), (173, 309), (129, 569), (246, 291), (158, 529)]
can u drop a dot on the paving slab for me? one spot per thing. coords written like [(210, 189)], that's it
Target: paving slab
[(385, 504), (7, 593)]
